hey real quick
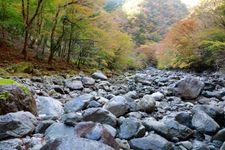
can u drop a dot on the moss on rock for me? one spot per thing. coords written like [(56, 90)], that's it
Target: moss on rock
[(12, 82), (5, 95)]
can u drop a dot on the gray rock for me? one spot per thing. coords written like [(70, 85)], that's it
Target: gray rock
[(58, 130), (189, 87), (110, 129), (99, 75), (213, 111), (223, 146), (95, 131), (151, 142), (123, 144), (49, 107), (12, 144), (100, 115), (198, 145), (94, 104), (184, 118), (74, 85), (43, 125), (147, 104), (131, 128), (88, 81), (74, 143), (117, 106), (78, 103), (157, 96), (220, 135), (204, 123), (168, 129), (17, 124), (15, 97), (71, 119), (185, 145)]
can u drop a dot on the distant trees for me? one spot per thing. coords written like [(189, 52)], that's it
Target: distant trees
[(198, 41)]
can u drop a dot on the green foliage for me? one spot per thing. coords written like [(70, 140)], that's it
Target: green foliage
[(23, 67)]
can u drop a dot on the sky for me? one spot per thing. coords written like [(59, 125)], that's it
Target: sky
[(131, 6), (191, 3)]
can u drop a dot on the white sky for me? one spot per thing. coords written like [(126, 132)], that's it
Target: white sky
[(191, 3)]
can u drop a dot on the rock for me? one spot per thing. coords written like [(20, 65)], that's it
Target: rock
[(12, 144), (49, 107), (17, 124), (94, 104), (184, 119), (198, 145), (95, 131), (15, 97), (71, 119), (78, 103), (123, 144), (189, 87), (99, 115), (185, 145), (168, 129), (43, 125), (131, 128), (88, 81), (58, 130), (223, 146), (151, 142), (157, 96), (58, 89), (204, 123), (74, 143), (147, 104), (117, 106), (99, 75), (74, 85), (213, 111), (220, 136), (110, 129)]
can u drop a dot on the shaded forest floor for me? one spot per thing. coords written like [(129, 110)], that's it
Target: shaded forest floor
[(10, 56)]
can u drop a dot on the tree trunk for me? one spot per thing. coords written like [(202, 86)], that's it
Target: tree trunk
[(24, 51)]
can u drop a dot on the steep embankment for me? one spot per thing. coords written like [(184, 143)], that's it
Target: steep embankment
[(151, 109)]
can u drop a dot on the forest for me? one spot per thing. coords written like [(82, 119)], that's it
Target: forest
[(112, 74), (107, 35)]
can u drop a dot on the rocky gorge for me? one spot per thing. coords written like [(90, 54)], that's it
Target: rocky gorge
[(148, 110)]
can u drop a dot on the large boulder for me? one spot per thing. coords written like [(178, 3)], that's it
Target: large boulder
[(213, 111), (189, 87), (151, 142), (100, 115), (49, 107), (15, 97), (147, 104), (74, 143), (204, 123), (78, 103), (17, 124), (117, 105), (95, 131), (168, 129)]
